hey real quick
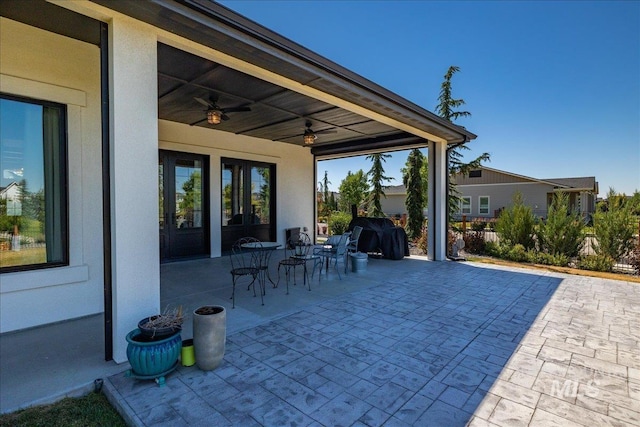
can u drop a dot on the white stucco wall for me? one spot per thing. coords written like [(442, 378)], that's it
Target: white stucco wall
[(294, 171), (42, 65)]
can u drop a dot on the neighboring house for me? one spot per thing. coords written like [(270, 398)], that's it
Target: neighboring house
[(486, 191), (145, 103), (11, 193), (394, 202)]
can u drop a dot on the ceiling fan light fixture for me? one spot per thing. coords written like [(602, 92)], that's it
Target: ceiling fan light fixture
[(214, 117), (309, 137)]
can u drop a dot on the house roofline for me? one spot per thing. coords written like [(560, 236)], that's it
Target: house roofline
[(281, 51), (261, 32), (529, 178)]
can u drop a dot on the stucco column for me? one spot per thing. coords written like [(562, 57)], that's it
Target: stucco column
[(134, 178), (437, 206)]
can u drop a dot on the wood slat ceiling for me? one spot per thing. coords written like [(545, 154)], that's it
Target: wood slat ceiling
[(276, 113)]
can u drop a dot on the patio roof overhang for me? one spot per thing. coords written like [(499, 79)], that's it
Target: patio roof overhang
[(362, 116)]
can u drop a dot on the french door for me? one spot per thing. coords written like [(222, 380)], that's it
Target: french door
[(184, 205), (248, 201)]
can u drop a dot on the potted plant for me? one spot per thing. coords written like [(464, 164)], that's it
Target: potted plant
[(162, 325), (154, 347)]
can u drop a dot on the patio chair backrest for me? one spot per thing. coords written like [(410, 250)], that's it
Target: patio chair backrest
[(299, 245), (353, 240), (242, 257), (341, 247)]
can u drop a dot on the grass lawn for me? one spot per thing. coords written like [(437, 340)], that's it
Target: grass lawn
[(92, 410), (25, 256)]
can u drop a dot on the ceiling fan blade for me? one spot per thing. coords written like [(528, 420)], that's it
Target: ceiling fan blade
[(236, 109), (323, 132), (224, 117), (203, 102)]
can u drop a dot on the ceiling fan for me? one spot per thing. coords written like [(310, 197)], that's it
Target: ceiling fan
[(215, 114), (310, 136)]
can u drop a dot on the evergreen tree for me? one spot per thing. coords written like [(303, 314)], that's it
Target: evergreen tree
[(415, 201), (614, 227), (516, 224), (563, 231), (324, 205), (447, 109), (376, 178), (333, 203)]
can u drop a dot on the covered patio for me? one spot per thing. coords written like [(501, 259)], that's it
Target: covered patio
[(408, 342)]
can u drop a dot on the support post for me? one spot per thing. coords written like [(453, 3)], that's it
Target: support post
[(437, 209), (134, 178)]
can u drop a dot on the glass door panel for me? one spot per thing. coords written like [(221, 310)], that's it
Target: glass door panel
[(232, 194), (260, 195), (183, 196), (247, 201), (188, 193)]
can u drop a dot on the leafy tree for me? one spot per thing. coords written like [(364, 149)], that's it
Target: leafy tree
[(447, 109), (353, 190), (415, 201), (613, 227), (563, 231), (516, 224), (376, 178), (192, 196)]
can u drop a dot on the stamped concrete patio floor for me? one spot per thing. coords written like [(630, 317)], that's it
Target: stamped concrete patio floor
[(419, 343)]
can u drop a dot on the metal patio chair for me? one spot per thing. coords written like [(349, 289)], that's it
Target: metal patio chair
[(245, 262)]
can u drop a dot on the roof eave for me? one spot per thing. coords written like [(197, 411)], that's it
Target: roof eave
[(284, 51)]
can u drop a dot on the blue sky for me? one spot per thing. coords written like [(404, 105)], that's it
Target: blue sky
[(553, 87)]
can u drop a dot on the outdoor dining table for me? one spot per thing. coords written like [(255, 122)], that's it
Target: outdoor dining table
[(267, 248)]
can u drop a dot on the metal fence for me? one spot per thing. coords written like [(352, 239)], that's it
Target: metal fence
[(622, 265)]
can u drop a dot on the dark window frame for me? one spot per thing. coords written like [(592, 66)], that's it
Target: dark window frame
[(63, 183)]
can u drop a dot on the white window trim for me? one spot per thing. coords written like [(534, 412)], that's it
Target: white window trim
[(480, 205), (462, 205)]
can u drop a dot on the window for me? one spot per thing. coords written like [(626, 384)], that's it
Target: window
[(475, 173), (465, 205), (33, 184), (483, 205)]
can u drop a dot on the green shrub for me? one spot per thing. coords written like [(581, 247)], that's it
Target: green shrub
[(516, 224), (493, 249), (560, 260), (563, 231), (422, 242), (613, 229), (517, 253), (474, 242), (339, 222), (634, 259), (596, 263), (478, 225)]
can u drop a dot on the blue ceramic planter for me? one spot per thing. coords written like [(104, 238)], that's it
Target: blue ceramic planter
[(152, 359)]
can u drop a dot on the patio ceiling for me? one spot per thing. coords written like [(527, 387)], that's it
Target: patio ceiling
[(276, 114), (364, 117)]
